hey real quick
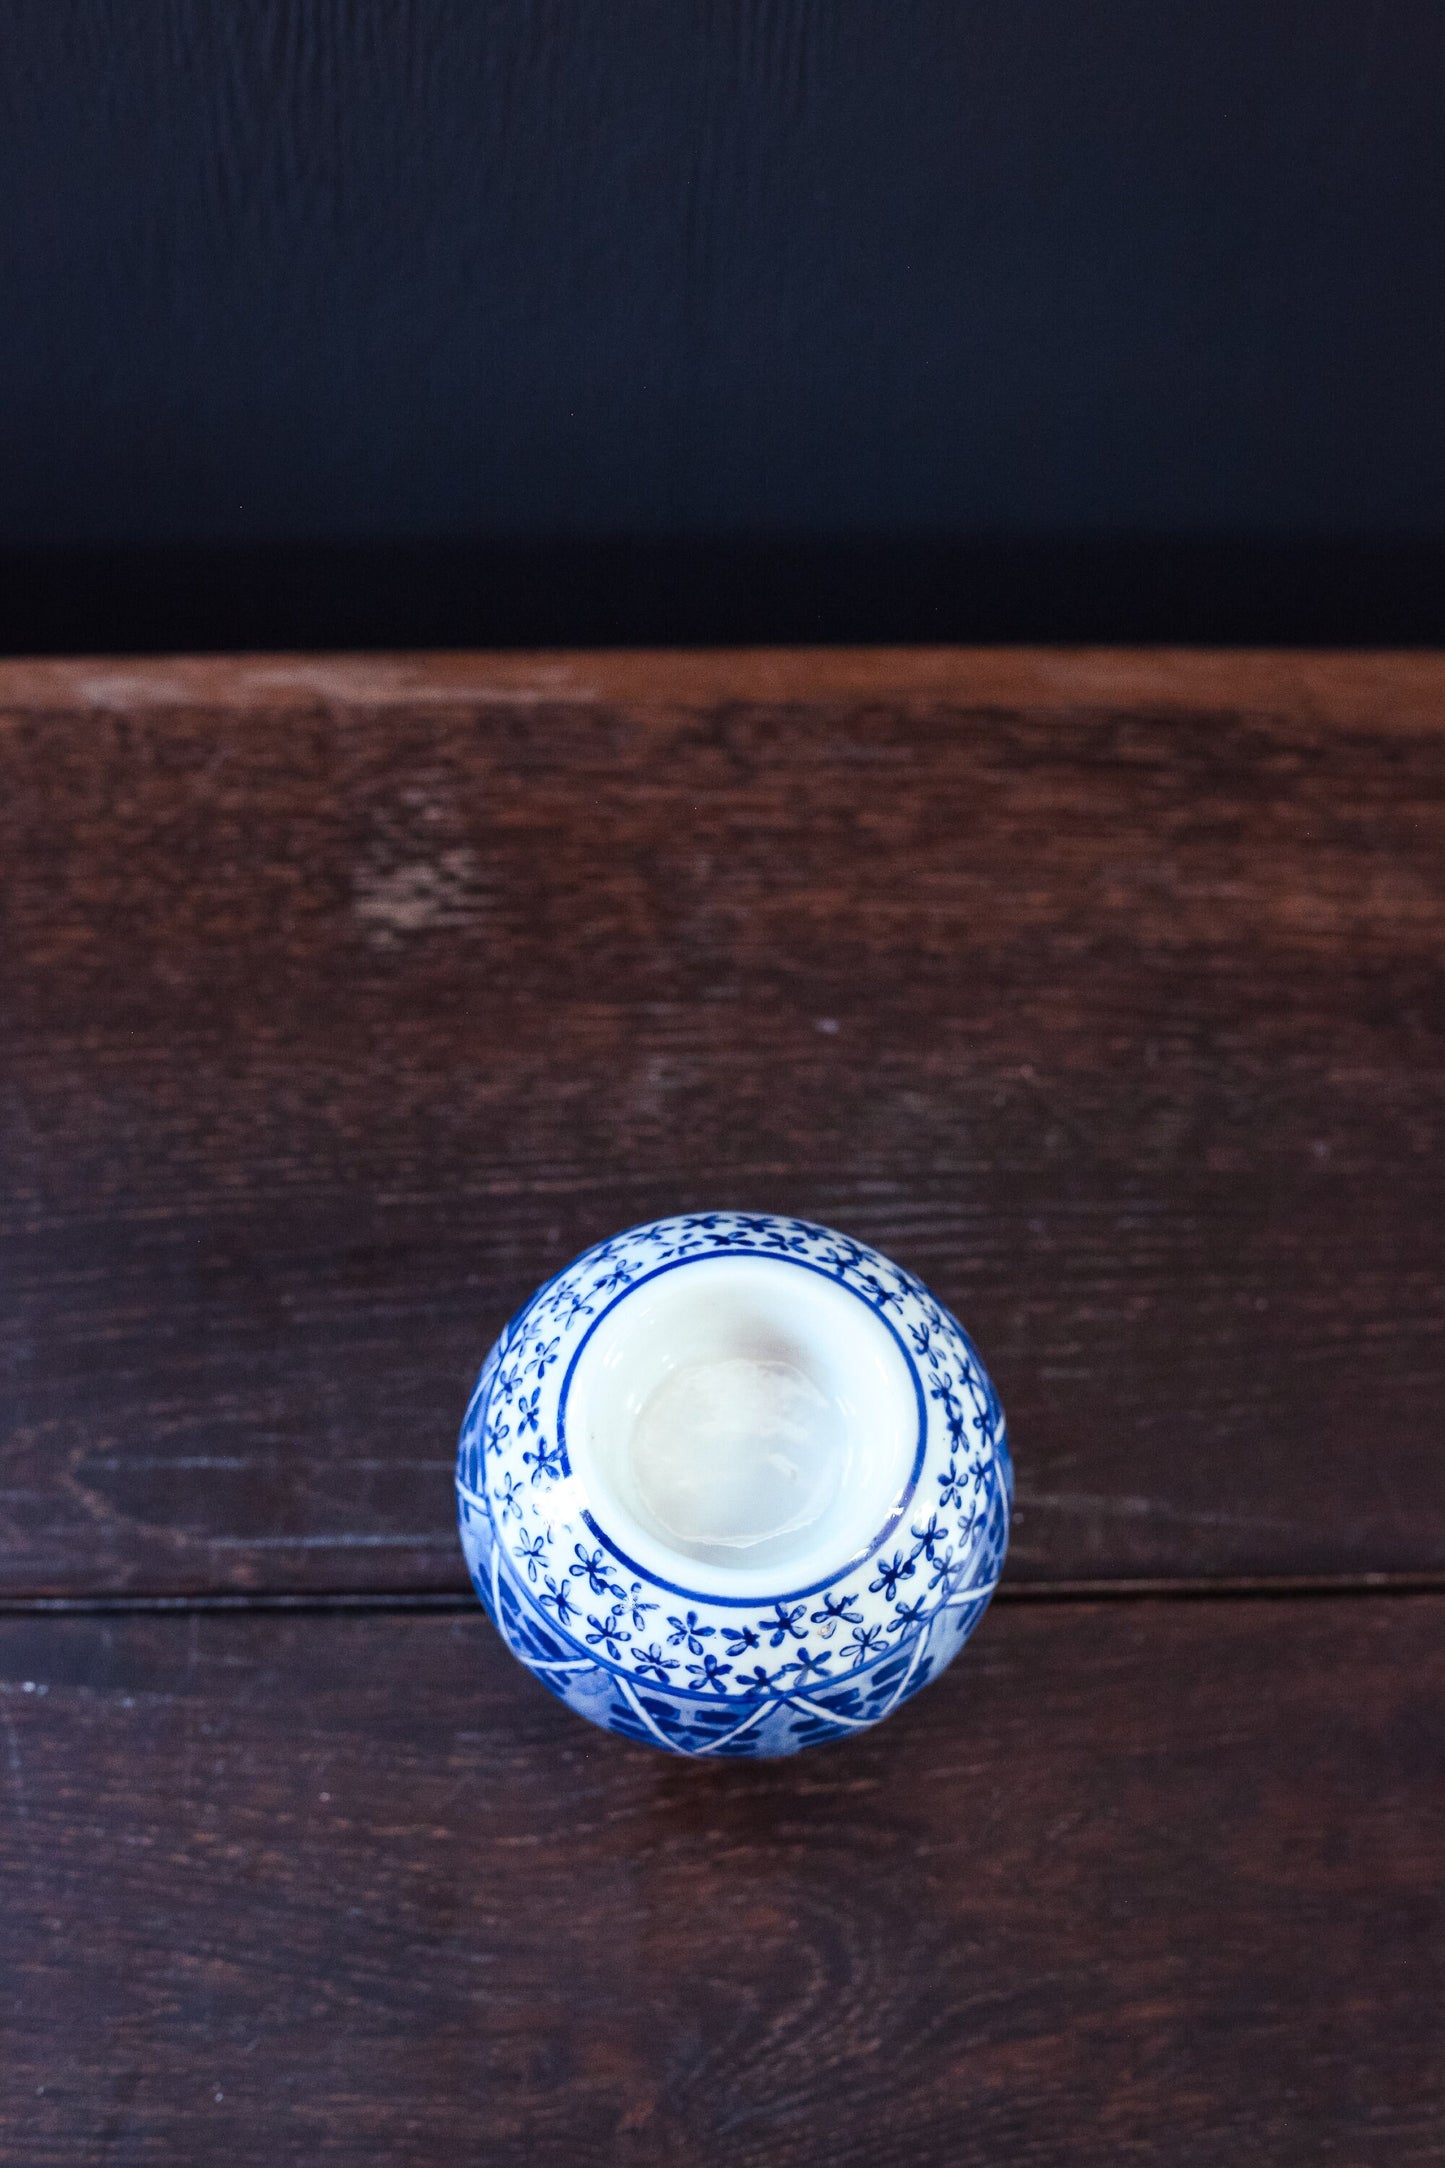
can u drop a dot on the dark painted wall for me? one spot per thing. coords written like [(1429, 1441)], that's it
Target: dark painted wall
[(551, 318)]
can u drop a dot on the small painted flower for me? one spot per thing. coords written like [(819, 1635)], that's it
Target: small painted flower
[(607, 1633), (509, 1498), (528, 1411), (864, 1640), (637, 1605), (906, 1615), (709, 1673), (740, 1639), (836, 1611), (652, 1660), (535, 1554), (788, 1239), (805, 1664), (784, 1622), (543, 1357), (545, 1461), (929, 1536), (687, 1630), (757, 1681), (558, 1598), (590, 1566), (891, 1571), (952, 1486)]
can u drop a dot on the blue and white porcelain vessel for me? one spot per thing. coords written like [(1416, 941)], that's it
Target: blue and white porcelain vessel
[(732, 1484)]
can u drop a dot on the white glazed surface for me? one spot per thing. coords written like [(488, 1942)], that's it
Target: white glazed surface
[(734, 1484), (741, 1425)]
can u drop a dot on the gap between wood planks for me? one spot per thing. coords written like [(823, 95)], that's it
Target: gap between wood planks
[(1269, 1588)]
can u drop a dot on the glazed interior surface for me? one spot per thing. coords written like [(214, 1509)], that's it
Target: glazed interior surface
[(742, 1425)]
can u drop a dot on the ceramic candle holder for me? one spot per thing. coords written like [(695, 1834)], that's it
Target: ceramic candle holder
[(732, 1484)]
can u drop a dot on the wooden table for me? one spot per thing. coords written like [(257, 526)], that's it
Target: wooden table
[(343, 1000)]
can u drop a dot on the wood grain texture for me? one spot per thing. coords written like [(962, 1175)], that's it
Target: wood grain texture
[(343, 1001), (1131, 1882)]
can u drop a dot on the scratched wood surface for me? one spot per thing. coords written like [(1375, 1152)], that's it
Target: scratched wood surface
[(1134, 1881), (343, 1001)]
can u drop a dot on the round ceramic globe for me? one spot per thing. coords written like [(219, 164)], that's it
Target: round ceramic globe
[(733, 1484)]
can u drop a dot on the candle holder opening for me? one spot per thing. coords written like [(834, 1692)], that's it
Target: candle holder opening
[(741, 1424)]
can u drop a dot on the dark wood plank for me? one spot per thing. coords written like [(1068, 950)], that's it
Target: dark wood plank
[(1131, 1882), (343, 1001)]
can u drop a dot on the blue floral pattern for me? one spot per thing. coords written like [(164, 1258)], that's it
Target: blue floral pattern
[(697, 1673)]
